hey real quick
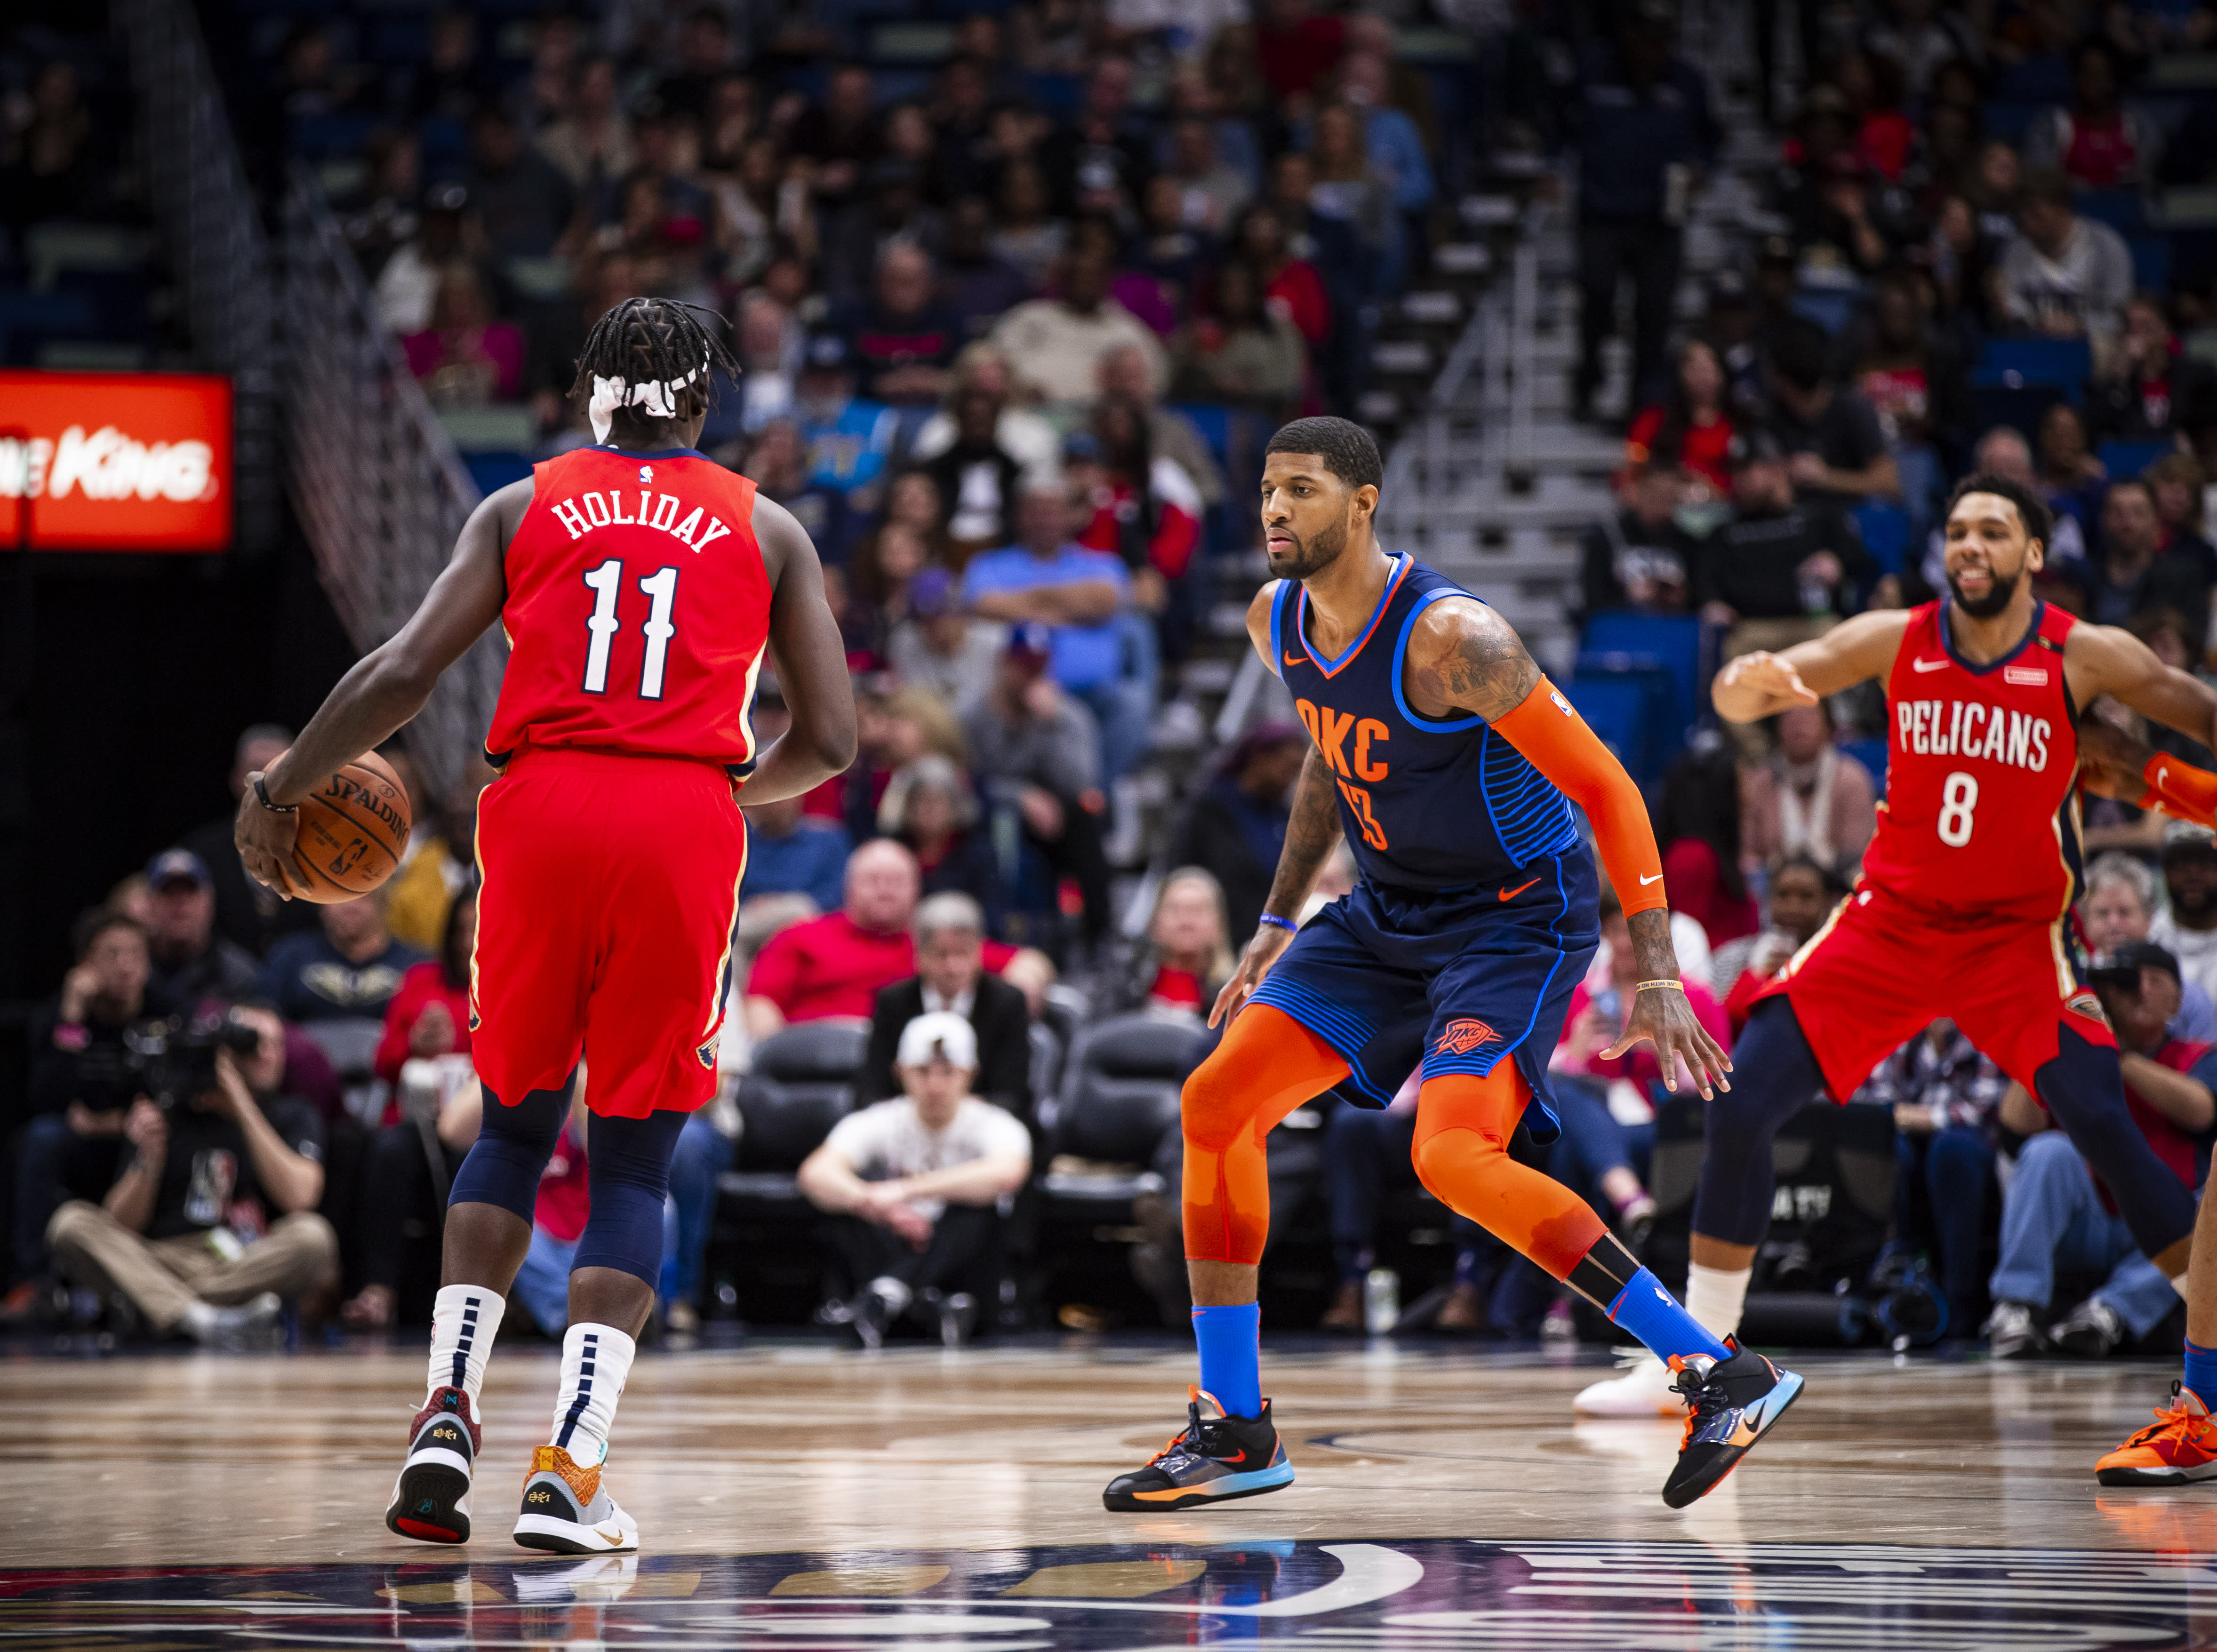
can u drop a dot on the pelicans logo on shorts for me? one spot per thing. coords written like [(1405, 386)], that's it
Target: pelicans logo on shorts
[(1459, 1038), (2084, 1002)]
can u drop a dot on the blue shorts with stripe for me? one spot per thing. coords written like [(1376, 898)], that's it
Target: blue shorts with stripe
[(1455, 979)]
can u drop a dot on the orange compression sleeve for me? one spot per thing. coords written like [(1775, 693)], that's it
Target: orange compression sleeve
[(1556, 740), (2180, 790)]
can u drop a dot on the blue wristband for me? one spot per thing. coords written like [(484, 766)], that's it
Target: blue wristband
[(1285, 924)]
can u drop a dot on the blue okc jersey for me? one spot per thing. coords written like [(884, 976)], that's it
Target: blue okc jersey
[(1426, 804)]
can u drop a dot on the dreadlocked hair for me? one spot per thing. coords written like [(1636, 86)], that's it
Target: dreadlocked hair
[(643, 341)]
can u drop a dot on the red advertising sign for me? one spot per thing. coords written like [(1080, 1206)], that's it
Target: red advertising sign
[(116, 461)]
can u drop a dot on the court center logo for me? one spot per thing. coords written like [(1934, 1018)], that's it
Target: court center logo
[(1459, 1038)]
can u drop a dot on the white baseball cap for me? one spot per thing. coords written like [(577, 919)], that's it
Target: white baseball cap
[(941, 1034)]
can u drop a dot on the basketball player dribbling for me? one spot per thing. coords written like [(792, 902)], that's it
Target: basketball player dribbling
[(1963, 908), (639, 582), (1449, 762)]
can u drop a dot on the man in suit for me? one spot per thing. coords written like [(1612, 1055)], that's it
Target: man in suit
[(950, 965)]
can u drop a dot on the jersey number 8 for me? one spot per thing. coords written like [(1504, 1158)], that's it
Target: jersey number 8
[(1959, 796), (661, 587)]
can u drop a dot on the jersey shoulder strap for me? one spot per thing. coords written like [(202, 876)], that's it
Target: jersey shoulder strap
[(1279, 601), (2053, 626)]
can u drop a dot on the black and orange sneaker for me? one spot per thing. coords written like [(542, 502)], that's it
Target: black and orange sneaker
[(431, 1499), (1216, 1458), (1731, 1404), (2179, 1447)]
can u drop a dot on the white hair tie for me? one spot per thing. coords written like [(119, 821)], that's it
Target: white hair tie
[(658, 397)]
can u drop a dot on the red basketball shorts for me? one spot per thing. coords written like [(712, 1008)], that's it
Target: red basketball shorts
[(1881, 972), (604, 928)]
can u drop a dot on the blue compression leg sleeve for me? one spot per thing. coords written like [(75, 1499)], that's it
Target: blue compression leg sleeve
[(627, 1163), (510, 1152)]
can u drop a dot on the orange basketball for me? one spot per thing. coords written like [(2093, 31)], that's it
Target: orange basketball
[(353, 828)]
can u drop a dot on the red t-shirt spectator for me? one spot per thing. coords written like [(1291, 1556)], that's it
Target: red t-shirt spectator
[(833, 967), (564, 1200), (1298, 290), (1704, 449), (1639, 1065), (1293, 59), (422, 986), (2172, 1145), (1695, 877)]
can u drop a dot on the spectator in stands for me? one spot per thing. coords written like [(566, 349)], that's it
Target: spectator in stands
[(2070, 477), (47, 155), (1236, 828), (1349, 189), (950, 978), (1292, 286), (383, 212), (1802, 894), (2066, 276), (399, 1205), (590, 143), (789, 853), (1031, 440), (980, 281), (849, 439), (1396, 147), (1210, 190), (1692, 420), (1145, 505), (2187, 927), (1698, 827), (2133, 572), (1943, 1095), (1238, 351), (704, 56), (2119, 907), (351, 966), (1037, 753), (79, 1086), (939, 648), (891, 210), (466, 358), (903, 339), (246, 914), (439, 863), (777, 459), (235, 1155), (894, 729), (835, 964), (522, 202), (2179, 487), (1367, 1154), (450, 84), (1836, 447), (1780, 571), (1026, 234), (190, 960), (929, 809), (1188, 955), (429, 1013), (1100, 159), (1643, 560), (1810, 798), (1920, 391), (1127, 374), (915, 1188), (1054, 346), (2097, 143), (1643, 128), (1049, 579), (977, 477), (840, 134), (556, 337), (2053, 1215)]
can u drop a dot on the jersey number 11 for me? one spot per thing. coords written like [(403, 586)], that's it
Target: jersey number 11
[(606, 582)]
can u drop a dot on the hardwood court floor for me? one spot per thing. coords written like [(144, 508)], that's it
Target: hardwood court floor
[(955, 1482)]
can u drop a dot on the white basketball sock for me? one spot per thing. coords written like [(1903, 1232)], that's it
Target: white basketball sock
[(596, 1360), (463, 1320), (1715, 1296)]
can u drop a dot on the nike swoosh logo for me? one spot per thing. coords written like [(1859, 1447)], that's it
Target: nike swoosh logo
[(1928, 665), (1295, 659), (2162, 773), (1511, 894), (1240, 1456), (609, 1535), (1655, 879)]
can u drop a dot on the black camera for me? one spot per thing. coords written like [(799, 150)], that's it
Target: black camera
[(173, 1060)]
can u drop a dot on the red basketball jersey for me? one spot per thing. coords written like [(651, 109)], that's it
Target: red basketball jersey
[(1981, 811), (638, 609)]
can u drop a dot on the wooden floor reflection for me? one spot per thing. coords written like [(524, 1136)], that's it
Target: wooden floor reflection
[(201, 1460)]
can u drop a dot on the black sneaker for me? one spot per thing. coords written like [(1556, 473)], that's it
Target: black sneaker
[(1216, 1458), (431, 1499), (1732, 1404), (2092, 1331)]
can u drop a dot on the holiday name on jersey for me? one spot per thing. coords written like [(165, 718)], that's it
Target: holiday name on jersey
[(1971, 728), (582, 513)]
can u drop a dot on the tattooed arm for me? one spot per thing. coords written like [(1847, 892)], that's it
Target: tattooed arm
[(1311, 835), (1464, 660)]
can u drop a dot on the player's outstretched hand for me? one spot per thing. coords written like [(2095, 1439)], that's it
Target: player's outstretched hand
[(1661, 1015), (265, 840), (1770, 678), (1254, 964)]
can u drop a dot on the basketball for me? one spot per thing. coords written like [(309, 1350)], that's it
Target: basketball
[(353, 828)]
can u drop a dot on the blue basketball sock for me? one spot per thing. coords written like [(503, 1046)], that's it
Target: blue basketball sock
[(1652, 1315), (1232, 1356), (2202, 1373)]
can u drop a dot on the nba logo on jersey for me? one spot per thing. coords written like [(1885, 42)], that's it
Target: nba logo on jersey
[(1461, 1037), (646, 476)]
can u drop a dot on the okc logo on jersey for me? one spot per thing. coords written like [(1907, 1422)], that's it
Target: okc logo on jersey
[(1459, 1038)]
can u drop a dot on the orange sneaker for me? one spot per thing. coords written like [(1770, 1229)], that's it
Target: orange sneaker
[(2179, 1445)]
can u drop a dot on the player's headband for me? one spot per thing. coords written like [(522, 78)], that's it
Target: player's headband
[(658, 397)]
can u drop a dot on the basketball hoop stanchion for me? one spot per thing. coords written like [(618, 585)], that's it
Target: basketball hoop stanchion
[(18, 675)]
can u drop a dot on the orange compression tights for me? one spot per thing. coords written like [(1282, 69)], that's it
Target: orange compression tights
[(1266, 1065), (1461, 1150)]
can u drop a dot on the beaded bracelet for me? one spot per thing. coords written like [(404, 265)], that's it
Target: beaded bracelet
[(1285, 924)]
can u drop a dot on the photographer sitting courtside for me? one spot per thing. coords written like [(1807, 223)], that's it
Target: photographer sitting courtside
[(212, 1219)]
